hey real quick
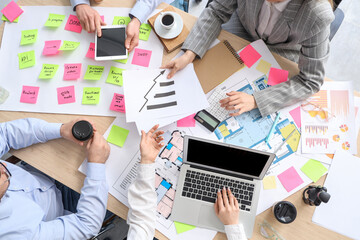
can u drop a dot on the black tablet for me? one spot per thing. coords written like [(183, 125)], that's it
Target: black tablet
[(111, 45)]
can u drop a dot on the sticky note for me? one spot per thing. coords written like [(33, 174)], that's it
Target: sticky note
[(144, 31), (118, 103), (115, 76), (314, 170), (269, 182), (28, 36), (69, 46), (91, 95), (263, 67), (51, 47), (277, 76), (73, 24), (72, 71), (295, 114), (12, 11), (117, 135), (224, 130), (26, 59), (66, 94), (3, 18), (183, 227), (141, 57), (54, 20), (249, 55), (123, 61), (94, 72), (294, 140), (121, 20), (29, 94), (91, 52), (290, 179), (48, 71), (188, 121)]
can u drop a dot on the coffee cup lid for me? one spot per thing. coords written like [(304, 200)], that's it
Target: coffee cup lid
[(285, 212)]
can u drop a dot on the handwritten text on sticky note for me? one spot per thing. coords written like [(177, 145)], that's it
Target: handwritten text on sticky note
[(54, 20), (28, 36), (118, 103), (29, 94), (141, 57), (48, 71), (69, 46), (144, 31), (66, 94), (91, 52), (94, 72), (73, 24), (91, 95), (51, 47), (115, 76), (72, 71), (26, 59)]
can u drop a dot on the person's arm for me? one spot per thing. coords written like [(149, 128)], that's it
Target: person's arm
[(74, 3)]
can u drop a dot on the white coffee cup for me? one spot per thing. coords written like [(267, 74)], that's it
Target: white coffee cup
[(167, 20)]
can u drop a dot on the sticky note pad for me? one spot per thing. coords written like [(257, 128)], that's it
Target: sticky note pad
[(117, 135), (73, 24), (290, 179), (141, 57), (29, 94), (118, 103), (115, 76), (188, 121), (277, 76), (94, 72), (121, 20), (48, 71), (263, 66), (51, 47), (91, 52), (72, 71), (12, 11), (249, 55), (28, 36), (26, 59), (54, 20), (91, 95), (144, 31), (3, 18), (269, 182), (183, 227), (66, 94), (314, 170), (69, 46), (295, 114)]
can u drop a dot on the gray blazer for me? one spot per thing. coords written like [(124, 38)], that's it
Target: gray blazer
[(301, 34)]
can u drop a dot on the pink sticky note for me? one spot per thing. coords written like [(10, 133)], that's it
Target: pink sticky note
[(118, 103), (91, 51), (29, 94), (295, 113), (51, 47), (249, 55), (12, 11), (66, 94), (73, 24), (188, 121), (290, 179), (141, 57), (72, 71), (277, 76)]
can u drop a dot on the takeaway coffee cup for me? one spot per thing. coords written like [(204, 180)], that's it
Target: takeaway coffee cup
[(167, 20), (284, 212)]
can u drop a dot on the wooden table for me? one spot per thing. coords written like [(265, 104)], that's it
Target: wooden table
[(60, 159)]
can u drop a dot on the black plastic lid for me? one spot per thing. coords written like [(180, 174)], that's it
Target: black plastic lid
[(285, 212), (82, 130)]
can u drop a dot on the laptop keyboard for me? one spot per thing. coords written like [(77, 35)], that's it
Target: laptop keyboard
[(204, 186)]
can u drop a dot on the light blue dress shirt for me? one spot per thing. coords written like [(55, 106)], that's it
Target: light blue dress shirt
[(32, 207)]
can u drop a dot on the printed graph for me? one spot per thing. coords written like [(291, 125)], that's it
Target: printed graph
[(339, 102), (315, 142), (316, 129), (320, 99)]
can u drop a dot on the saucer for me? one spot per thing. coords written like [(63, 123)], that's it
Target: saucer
[(171, 33)]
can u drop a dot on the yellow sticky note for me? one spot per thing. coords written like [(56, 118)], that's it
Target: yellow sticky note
[(48, 71), (94, 72), (115, 76), (269, 182), (224, 131), (28, 36), (91, 95), (263, 66), (314, 170), (69, 46), (182, 227), (26, 59), (117, 135), (293, 141)]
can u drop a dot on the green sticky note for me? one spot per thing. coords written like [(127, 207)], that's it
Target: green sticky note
[(182, 227), (117, 135), (94, 72), (26, 59), (144, 31), (28, 36), (48, 71), (314, 170), (54, 20), (91, 95), (124, 61), (121, 20), (69, 46), (115, 76)]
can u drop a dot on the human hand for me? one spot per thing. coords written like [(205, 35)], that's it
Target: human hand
[(180, 63), (98, 149), (150, 144), (227, 207), (132, 34), (89, 18), (66, 130), (238, 101)]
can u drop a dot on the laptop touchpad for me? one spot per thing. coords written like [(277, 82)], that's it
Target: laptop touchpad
[(207, 217)]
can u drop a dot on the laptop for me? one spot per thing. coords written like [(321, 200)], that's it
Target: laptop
[(209, 166)]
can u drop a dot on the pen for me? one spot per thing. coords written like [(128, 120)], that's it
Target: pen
[(272, 128), (288, 137)]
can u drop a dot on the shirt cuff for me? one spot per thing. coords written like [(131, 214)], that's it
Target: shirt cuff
[(96, 171), (234, 231), (141, 11), (74, 3), (53, 130), (146, 171)]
